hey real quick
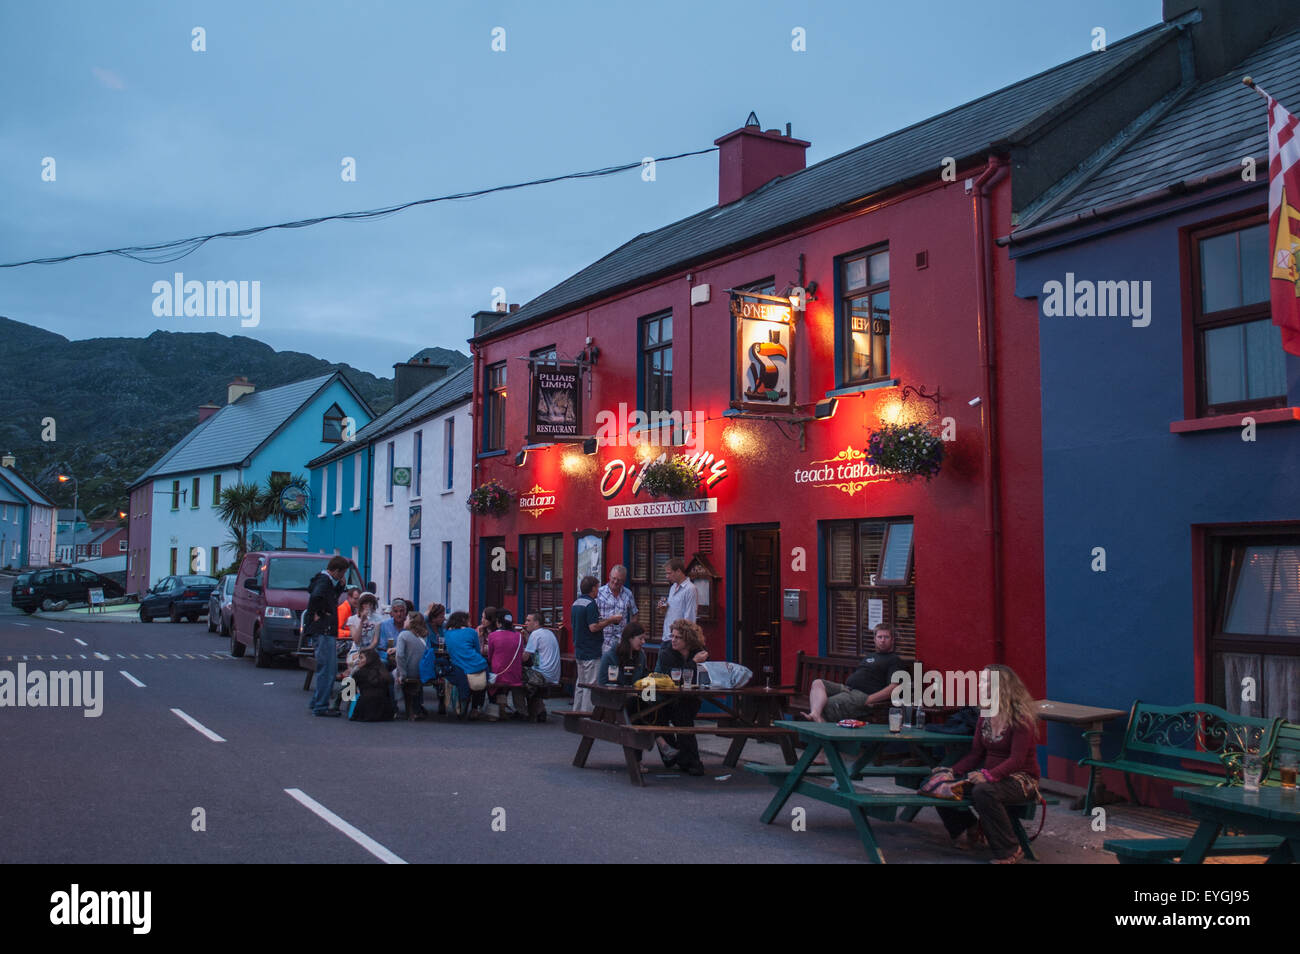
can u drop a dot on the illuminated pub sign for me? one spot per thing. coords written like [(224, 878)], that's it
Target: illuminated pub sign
[(762, 370), (555, 408)]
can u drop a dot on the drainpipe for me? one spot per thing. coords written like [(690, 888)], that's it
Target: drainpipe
[(474, 428), (982, 189)]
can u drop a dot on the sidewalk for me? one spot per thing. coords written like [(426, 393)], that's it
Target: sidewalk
[(128, 613), (1067, 837)]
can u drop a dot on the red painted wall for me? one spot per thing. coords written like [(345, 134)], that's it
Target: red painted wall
[(934, 344), (139, 527)]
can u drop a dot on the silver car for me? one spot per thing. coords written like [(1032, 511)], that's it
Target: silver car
[(221, 606)]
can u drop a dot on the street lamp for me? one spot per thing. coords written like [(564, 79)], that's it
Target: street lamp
[(63, 479)]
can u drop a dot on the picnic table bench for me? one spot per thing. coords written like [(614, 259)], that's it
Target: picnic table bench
[(610, 721), (866, 742), (1160, 739), (1271, 818)]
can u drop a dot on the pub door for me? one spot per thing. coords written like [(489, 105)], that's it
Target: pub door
[(493, 573), (757, 561)]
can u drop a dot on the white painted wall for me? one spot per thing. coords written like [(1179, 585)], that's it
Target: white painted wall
[(187, 526), (40, 542), (444, 516)]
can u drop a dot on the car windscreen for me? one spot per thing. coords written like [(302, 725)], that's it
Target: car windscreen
[(22, 579), (199, 580), (293, 574)]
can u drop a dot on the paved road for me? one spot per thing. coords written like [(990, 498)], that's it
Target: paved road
[(122, 787)]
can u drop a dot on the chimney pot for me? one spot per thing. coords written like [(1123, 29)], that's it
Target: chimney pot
[(207, 410), (514, 308), (238, 388)]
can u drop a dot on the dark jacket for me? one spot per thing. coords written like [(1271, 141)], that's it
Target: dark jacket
[(322, 606), (375, 685)]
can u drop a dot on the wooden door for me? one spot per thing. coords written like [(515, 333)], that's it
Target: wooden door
[(758, 603), (494, 574)]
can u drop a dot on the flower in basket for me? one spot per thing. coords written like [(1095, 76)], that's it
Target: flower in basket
[(907, 450), (490, 498), (670, 478)]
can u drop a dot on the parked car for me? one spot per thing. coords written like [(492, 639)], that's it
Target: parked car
[(177, 596), (270, 598), (221, 605), (69, 583)]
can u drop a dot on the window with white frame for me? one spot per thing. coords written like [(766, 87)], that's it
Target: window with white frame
[(419, 462), (338, 486), (356, 481), (324, 490), (448, 452)]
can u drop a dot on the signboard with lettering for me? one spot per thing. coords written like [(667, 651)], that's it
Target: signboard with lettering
[(555, 405), (762, 357), (848, 471), (537, 501), (414, 523)]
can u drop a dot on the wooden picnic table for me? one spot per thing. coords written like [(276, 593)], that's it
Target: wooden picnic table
[(1272, 812), (610, 721), (1093, 719)]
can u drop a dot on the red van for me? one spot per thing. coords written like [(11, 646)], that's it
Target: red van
[(270, 597)]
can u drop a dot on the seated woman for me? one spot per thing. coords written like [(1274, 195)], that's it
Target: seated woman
[(375, 702), (436, 620), (410, 649), (686, 649), (505, 654), (1002, 765), (365, 623), (468, 673), (628, 653)]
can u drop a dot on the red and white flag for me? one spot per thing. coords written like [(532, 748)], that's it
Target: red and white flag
[(1284, 220)]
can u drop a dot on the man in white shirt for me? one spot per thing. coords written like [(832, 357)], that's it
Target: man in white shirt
[(682, 596), (542, 652)]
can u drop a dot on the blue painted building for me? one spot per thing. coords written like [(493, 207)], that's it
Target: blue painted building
[(27, 520), (1171, 414)]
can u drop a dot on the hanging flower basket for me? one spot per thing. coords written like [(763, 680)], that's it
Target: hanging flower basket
[(670, 478), (490, 499), (906, 450)]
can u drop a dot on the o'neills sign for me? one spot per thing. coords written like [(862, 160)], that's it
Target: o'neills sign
[(848, 471), (618, 476), (665, 508), (555, 408), (762, 373), (537, 501)]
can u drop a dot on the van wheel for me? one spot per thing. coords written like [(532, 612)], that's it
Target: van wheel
[(236, 647), (225, 630), (260, 658)]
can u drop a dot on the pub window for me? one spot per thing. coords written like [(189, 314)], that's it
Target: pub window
[(648, 551), (494, 408), (544, 578), (864, 316), (870, 577), (1239, 359), (545, 355), (1254, 623), (657, 363), (332, 425)]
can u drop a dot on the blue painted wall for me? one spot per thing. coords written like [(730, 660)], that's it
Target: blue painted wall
[(1115, 477), (347, 529)]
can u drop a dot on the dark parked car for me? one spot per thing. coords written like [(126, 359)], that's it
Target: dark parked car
[(221, 605), (177, 596), (73, 584)]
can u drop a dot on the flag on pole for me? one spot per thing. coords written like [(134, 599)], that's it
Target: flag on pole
[(1284, 220)]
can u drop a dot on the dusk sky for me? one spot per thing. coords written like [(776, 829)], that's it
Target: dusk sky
[(153, 141)]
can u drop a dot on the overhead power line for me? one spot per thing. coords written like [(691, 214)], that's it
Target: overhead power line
[(165, 252)]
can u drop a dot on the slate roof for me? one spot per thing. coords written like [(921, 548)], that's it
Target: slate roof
[(232, 435), (1215, 125), (455, 388), (963, 132), (24, 487)]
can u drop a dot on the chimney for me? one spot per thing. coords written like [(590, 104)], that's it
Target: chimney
[(237, 389), (749, 158), (9, 461), (414, 375), (207, 410)]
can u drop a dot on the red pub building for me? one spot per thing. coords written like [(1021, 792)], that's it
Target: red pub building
[(774, 333)]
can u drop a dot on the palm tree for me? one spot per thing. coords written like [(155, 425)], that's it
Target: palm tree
[(272, 509), (240, 508)]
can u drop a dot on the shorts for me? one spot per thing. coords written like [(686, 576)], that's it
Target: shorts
[(843, 702)]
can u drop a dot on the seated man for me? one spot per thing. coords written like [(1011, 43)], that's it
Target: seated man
[(542, 653), (869, 684)]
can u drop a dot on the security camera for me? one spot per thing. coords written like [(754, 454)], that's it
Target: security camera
[(975, 402)]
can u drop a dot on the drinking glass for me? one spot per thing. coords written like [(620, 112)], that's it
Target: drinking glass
[(920, 717), (688, 677), (1286, 770), (628, 671), (612, 673), (1252, 769), (907, 717), (895, 719), (676, 675), (702, 677)]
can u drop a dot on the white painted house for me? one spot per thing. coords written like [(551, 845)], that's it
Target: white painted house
[(420, 529)]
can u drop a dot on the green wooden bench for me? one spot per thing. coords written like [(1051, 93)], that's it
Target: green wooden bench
[(1160, 740), (1146, 851)]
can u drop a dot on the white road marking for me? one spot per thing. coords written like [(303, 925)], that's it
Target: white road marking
[(22, 624), (134, 681), (360, 837), (120, 656), (79, 642), (147, 656), (53, 630), (83, 655), (103, 656), (268, 684), (197, 726)]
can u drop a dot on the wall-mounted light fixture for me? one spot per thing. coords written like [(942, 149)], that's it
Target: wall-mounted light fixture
[(520, 458), (589, 446), (825, 410)]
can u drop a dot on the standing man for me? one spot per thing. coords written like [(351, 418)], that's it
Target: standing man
[(682, 597), (614, 602), (542, 652), (587, 644), (321, 621)]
